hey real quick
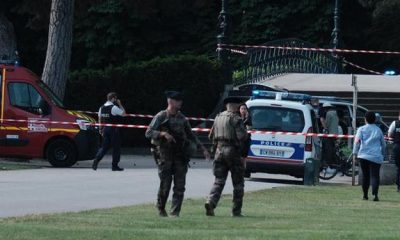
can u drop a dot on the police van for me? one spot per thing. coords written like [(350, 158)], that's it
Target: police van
[(344, 108), (282, 151)]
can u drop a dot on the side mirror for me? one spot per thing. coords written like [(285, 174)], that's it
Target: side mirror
[(44, 108)]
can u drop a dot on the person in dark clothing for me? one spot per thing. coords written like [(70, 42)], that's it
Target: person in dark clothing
[(109, 113), (321, 114), (245, 116), (342, 122), (379, 123), (369, 149)]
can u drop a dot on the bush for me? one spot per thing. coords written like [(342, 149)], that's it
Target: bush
[(141, 86)]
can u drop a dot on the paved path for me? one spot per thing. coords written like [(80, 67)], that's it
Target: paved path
[(53, 190)]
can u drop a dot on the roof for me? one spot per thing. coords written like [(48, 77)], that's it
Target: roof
[(274, 103), (19, 73), (332, 82)]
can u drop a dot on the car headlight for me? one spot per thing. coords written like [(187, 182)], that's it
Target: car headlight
[(83, 124)]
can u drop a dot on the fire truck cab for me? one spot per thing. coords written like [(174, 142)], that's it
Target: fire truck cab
[(30, 116)]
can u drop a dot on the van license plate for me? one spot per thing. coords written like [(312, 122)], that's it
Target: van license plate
[(272, 153)]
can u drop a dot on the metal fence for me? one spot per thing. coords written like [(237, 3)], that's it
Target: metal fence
[(266, 63)]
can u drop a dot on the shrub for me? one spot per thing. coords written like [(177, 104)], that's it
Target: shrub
[(141, 86)]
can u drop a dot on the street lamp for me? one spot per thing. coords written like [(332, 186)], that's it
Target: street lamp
[(336, 32), (223, 38)]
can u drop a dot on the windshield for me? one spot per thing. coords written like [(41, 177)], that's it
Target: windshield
[(57, 101), (277, 119)]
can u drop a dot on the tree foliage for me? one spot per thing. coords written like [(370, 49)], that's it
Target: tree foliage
[(114, 32), (141, 85)]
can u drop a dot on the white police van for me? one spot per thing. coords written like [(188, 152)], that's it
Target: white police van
[(284, 113), (344, 108)]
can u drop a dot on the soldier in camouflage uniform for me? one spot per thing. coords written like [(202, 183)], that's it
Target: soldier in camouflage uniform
[(229, 136), (172, 136)]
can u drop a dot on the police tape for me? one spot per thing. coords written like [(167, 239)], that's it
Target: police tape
[(151, 116), (343, 60), (237, 51), (362, 68), (330, 50), (80, 123), (322, 135), (83, 124)]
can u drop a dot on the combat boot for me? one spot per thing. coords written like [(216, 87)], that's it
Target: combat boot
[(174, 214), (162, 212), (209, 209), (237, 215)]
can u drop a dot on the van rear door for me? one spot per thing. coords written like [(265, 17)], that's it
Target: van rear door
[(277, 148)]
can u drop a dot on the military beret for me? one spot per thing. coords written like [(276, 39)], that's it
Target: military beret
[(174, 95), (232, 100)]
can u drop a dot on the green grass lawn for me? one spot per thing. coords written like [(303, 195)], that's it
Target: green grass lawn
[(323, 212)]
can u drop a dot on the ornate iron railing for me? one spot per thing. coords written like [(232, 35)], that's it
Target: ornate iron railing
[(266, 63)]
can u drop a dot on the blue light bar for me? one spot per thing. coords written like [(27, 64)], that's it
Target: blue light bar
[(330, 98), (390, 72), (259, 94)]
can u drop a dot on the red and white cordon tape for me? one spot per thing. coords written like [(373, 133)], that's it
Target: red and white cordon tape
[(323, 135), (193, 129), (345, 61), (362, 68), (78, 124), (151, 116), (237, 51), (331, 50)]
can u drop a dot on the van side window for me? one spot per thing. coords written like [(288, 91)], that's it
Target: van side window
[(24, 96)]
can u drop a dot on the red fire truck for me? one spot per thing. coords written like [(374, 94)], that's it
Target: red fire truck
[(30, 116)]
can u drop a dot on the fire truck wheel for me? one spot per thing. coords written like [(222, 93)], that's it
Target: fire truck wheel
[(61, 153)]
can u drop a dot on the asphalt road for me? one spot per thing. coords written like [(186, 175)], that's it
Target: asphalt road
[(54, 190)]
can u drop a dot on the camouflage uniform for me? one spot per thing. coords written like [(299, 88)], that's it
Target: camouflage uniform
[(228, 134), (172, 160)]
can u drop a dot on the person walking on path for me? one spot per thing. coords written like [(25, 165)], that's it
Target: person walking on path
[(110, 113), (172, 136), (229, 137), (369, 150)]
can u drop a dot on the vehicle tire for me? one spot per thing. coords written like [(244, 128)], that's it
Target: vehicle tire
[(247, 174), (327, 173), (61, 153), (349, 167)]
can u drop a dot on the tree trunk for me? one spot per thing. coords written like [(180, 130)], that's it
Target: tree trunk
[(58, 56), (8, 42)]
